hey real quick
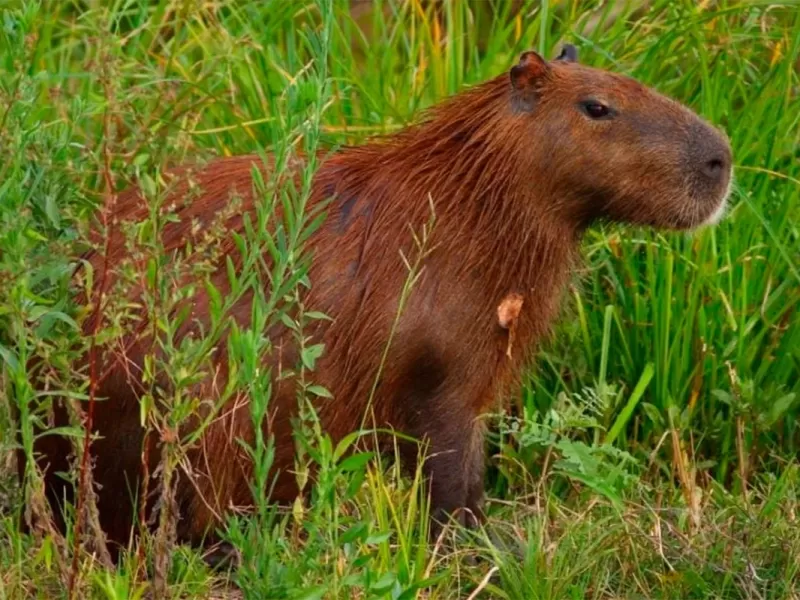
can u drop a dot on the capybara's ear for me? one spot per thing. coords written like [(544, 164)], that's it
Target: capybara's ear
[(569, 53), (526, 79)]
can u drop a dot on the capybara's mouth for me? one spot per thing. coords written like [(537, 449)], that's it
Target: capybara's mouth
[(720, 204)]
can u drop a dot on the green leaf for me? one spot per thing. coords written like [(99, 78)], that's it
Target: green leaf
[(780, 407), (215, 300), (356, 479), (384, 582), (344, 444), (318, 316), (319, 390), (355, 462), (412, 593), (626, 413), (9, 358), (356, 532), (653, 413), (315, 593), (310, 355), (378, 538)]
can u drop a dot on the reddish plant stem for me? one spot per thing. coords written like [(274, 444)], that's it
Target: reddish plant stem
[(88, 421), (143, 497)]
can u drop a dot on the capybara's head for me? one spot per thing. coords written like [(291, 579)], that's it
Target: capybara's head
[(615, 149)]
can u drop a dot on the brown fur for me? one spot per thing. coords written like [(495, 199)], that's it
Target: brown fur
[(516, 172)]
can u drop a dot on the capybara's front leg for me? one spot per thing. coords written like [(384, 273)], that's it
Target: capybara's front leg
[(476, 469), (454, 468)]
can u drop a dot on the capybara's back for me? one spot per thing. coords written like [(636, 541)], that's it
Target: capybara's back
[(515, 170)]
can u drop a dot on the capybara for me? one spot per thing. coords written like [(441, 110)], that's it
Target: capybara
[(515, 169)]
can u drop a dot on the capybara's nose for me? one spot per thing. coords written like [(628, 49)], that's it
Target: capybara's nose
[(714, 168), (710, 154)]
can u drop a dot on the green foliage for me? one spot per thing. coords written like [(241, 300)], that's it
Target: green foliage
[(656, 451)]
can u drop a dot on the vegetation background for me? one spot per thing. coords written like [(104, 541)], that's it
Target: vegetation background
[(654, 450)]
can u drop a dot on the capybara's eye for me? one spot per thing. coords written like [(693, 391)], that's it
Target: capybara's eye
[(595, 109)]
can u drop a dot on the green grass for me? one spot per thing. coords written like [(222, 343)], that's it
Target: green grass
[(656, 455)]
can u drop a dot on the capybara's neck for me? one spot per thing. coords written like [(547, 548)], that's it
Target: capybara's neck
[(464, 163)]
